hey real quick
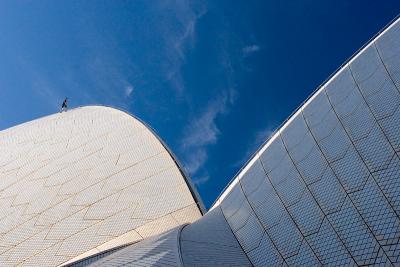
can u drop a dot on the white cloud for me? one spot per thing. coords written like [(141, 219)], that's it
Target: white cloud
[(260, 137), (195, 160), (203, 131), (179, 40), (128, 90), (250, 49), (43, 86), (187, 36), (199, 134), (201, 179)]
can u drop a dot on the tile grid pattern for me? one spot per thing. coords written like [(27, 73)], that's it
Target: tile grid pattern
[(160, 250), (95, 258), (206, 242), (210, 242), (326, 189), (84, 181)]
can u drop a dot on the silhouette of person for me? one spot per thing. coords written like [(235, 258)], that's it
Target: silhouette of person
[(64, 105)]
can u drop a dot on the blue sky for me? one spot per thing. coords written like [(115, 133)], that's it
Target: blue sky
[(213, 78)]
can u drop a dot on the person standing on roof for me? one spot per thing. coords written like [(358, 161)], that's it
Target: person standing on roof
[(64, 105)]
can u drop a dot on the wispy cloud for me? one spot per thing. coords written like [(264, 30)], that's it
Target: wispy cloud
[(111, 68), (203, 131), (128, 90), (180, 39), (195, 160), (40, 84), (258, 139), (262, 136), (250, 49), (201, 179)]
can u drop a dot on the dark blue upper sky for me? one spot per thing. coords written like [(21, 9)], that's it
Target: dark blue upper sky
[(213, 78)]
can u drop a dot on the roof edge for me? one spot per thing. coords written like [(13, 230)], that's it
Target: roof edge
[(284, 124), (193, 190)]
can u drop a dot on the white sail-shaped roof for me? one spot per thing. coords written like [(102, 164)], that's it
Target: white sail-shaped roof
[(83, 181)]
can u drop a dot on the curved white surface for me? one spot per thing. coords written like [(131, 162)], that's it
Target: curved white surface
[(76, 183), (324, 190)]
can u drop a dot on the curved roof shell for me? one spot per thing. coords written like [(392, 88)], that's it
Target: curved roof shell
[(324, 189), (83, 181)]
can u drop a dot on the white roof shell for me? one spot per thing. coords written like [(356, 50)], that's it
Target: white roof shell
[(83, 181)]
